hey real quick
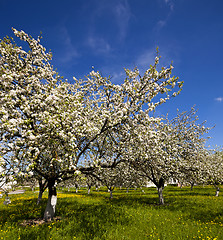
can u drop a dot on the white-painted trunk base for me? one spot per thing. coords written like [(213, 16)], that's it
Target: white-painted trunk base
[(111, 196), (50, 208), (161, 199), (7, 201)]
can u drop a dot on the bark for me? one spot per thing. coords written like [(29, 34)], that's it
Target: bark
[(42, 188), (160, 188), (39, 199), (7, 199), (89, 190), (217, 192), (160, 192), (51, 203), (76, 187), (191, 186), (111, 196)]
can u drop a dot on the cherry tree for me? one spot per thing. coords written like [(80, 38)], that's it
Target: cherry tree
[(77, 181), (162, 150), (151, 152), (129, 177), (213, 168), (120, 175), (49, 126), (191, 145)]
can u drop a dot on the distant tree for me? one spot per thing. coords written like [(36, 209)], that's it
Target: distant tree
[(165, 149), (213, 168)]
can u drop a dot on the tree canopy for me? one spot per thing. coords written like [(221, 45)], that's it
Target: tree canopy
[(52, 127)]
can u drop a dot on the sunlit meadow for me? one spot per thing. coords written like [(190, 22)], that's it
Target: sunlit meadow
[(134, 215)]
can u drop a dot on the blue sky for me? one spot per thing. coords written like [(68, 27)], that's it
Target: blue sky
[(118, 34)]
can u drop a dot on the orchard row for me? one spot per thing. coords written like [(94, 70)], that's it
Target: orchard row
[(53, 130)]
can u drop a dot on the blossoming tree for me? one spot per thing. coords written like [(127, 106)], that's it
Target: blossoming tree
[(212, 168), (162, 150), (49, 126)]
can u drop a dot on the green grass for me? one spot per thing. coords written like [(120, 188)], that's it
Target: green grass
[(196, 214)]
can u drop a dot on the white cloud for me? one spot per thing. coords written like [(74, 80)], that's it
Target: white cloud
[(146, 59), (117, 12), (170, 4), (122, 14), (99, 45), (161, 23), (219, 99), (69, 52), (118, 77), (169, 53)]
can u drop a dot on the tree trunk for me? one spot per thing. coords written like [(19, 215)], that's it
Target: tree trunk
[(191, 186), (111, 196), (76, 187), (7, 199), (89, 190), (217, 192), (160, 192), (39, 199), (42, 188), (52, 201), (160, 188)]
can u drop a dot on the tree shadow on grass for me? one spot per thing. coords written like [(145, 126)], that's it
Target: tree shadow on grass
[(88, 219), (92, 216), (186, 191), (204, 209), (19, 210), (198, 205)]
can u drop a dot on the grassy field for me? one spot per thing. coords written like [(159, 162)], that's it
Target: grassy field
[(196, 214)]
